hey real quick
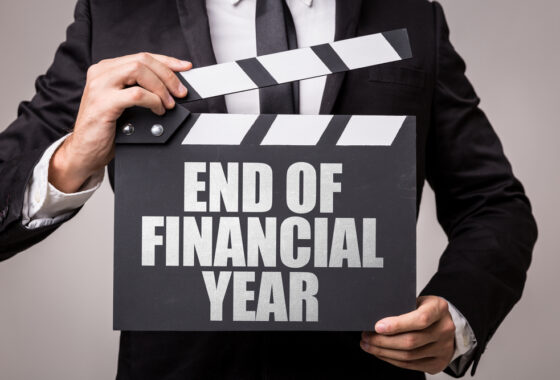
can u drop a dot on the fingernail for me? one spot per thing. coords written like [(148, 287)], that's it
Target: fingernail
[(170, 100), (182, 89), (381, 327), (185, 63)]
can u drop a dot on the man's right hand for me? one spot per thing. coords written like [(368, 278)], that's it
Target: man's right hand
[(112, 85)]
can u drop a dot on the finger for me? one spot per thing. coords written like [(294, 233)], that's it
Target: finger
[(405, 341), (163, 66), (173, 63), (138, 96), (166, 74), (430, 350), (137, 73), (129, 72), (419, 319), (424, 365)]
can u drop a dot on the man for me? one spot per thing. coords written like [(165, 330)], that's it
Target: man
[(47, 174)]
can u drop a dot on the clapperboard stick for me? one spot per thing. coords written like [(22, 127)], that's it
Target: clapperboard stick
[(264, 129), (292, 65), (293, 130)]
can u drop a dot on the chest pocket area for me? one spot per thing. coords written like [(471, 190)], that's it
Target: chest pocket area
[(403, 76), (398, 87)]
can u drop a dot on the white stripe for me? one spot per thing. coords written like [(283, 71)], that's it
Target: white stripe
[(219, 129), (224, 78), (371, 130), (293, 65), (296, 129), (365, 51)]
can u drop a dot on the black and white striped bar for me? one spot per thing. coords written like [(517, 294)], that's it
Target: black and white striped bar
[(292, 130), (298, 64)]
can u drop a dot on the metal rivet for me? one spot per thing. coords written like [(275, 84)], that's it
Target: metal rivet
[(128, 129), (157, 130)]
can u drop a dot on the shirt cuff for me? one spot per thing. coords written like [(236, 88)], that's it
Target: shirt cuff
[(465, 341), (44, 204)]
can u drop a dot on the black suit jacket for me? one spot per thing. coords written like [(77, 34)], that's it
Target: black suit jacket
[(480, 204)]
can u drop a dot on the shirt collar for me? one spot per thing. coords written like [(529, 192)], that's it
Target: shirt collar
[(306, 2)]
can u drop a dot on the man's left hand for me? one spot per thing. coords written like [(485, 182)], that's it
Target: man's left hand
[(422, 340)]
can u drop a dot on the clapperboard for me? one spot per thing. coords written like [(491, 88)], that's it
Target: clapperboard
[(266, 222)]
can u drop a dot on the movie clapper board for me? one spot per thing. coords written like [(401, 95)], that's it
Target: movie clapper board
[(266, 222)]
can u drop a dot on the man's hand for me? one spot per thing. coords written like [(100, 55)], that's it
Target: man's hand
[(422, 340), (112, 85)]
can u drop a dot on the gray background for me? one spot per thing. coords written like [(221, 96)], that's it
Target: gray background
[(55, 300)]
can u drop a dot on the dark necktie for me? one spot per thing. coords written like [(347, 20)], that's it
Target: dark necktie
[(276, 32)]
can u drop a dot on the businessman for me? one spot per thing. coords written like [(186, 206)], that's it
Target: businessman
[(123, 54)]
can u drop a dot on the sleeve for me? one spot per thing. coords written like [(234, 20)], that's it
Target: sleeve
[(465, 341), (481, 206), (44, 204), (40, 122)]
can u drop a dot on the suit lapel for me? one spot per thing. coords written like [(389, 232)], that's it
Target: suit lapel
[(347, 16), (196, 31)]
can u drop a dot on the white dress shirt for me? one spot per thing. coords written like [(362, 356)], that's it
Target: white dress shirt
[(232, 31)]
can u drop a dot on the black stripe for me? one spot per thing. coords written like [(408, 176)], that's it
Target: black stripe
[(256, 71), (409, 122), (406, 135), (191, 121), (259, 130), (192, 95), (399, 41), (334, 130), (329, 57)]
